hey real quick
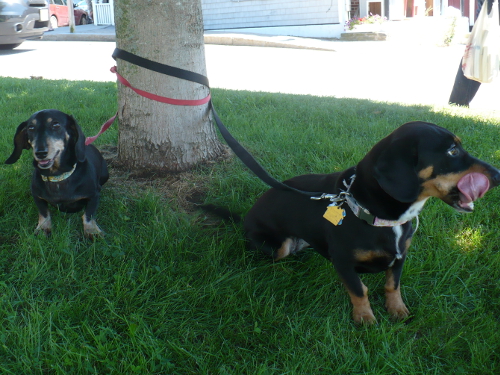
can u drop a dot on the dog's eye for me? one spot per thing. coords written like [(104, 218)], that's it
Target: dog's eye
[(55, 125), (31, 128), (453, 151)]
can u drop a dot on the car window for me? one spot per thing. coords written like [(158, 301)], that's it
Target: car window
[(57, 2)]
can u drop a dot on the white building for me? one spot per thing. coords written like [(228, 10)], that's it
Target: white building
[(308, 18)]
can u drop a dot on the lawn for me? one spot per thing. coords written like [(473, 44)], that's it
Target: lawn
[(172, 291)]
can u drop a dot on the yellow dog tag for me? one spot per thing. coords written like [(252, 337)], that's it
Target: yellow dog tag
[(334, 214)]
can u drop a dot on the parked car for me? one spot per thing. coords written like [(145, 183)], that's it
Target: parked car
[(59, 14), (82, 4), (21, 20)]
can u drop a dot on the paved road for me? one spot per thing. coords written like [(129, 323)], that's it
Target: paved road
[(380, 71)]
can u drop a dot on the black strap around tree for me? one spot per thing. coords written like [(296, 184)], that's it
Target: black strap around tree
[(237, 148), (160, 68)]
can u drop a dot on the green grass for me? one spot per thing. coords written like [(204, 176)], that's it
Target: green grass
[(167, 291)]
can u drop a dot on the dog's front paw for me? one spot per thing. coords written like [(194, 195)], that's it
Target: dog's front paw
[(94, 233), (395, 305), (398, 310), (44, 225), (91, 230), (364, 316)]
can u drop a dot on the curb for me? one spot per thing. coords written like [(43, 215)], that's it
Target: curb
[(227, 40), (103, 35), (79, 38), (76, 37), (268, 41)]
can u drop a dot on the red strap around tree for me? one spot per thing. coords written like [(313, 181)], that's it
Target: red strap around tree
[(158, 98), (148, 95)]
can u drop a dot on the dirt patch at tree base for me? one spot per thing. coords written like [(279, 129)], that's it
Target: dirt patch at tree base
[(183, 190)]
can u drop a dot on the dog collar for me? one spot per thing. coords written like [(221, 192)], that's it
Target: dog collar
[(60, 177), (365, 215), (362, 213)]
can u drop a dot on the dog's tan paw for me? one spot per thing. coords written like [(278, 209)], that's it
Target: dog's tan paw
[(398, 310), (91, 230), (93, 234), (364, 316), (44, 225), (394, 303)]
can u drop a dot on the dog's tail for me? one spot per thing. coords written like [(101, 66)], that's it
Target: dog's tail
[(221, 212)]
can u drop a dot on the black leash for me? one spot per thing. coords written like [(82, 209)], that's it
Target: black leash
[(237, 148), (160, 68)]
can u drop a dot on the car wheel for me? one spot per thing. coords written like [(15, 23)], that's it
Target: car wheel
[(83, 20), (9, 46), (53, 22)]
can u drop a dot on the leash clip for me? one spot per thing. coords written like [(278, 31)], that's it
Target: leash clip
[(336, 199), (324, 196), (340, 197)]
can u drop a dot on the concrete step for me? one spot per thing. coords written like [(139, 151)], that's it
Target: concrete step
[(438, 31)]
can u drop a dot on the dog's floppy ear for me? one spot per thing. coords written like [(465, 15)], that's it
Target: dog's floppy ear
[(396, 173), (79, 139), (20, 143)]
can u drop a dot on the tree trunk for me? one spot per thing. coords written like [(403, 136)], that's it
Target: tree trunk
[(153, 136)]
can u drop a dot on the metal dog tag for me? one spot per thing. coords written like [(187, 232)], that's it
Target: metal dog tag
[(334, 214)]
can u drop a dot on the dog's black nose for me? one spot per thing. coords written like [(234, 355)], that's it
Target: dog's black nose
[(41, 154), (495, 177)]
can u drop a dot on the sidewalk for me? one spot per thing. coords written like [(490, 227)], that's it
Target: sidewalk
[(87, 33), (403, 69), (93, 33), (422, 31)]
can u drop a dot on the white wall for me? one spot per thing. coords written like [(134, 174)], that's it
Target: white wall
[(229, 14)]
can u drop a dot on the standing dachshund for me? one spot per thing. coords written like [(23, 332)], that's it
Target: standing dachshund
[(68, 174), (363, 224)]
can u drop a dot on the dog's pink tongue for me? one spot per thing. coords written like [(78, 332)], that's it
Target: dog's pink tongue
[(472, 186)]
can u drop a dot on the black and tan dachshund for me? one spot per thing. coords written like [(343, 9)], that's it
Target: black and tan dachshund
[(364, 224), (68, 174)]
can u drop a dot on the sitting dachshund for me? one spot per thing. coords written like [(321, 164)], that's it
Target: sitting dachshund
[(363, 222), (68, 174)]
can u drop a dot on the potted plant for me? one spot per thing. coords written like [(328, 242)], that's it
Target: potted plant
[(370, 23)]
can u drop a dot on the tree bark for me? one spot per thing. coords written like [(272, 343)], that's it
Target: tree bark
[(157, 137)]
